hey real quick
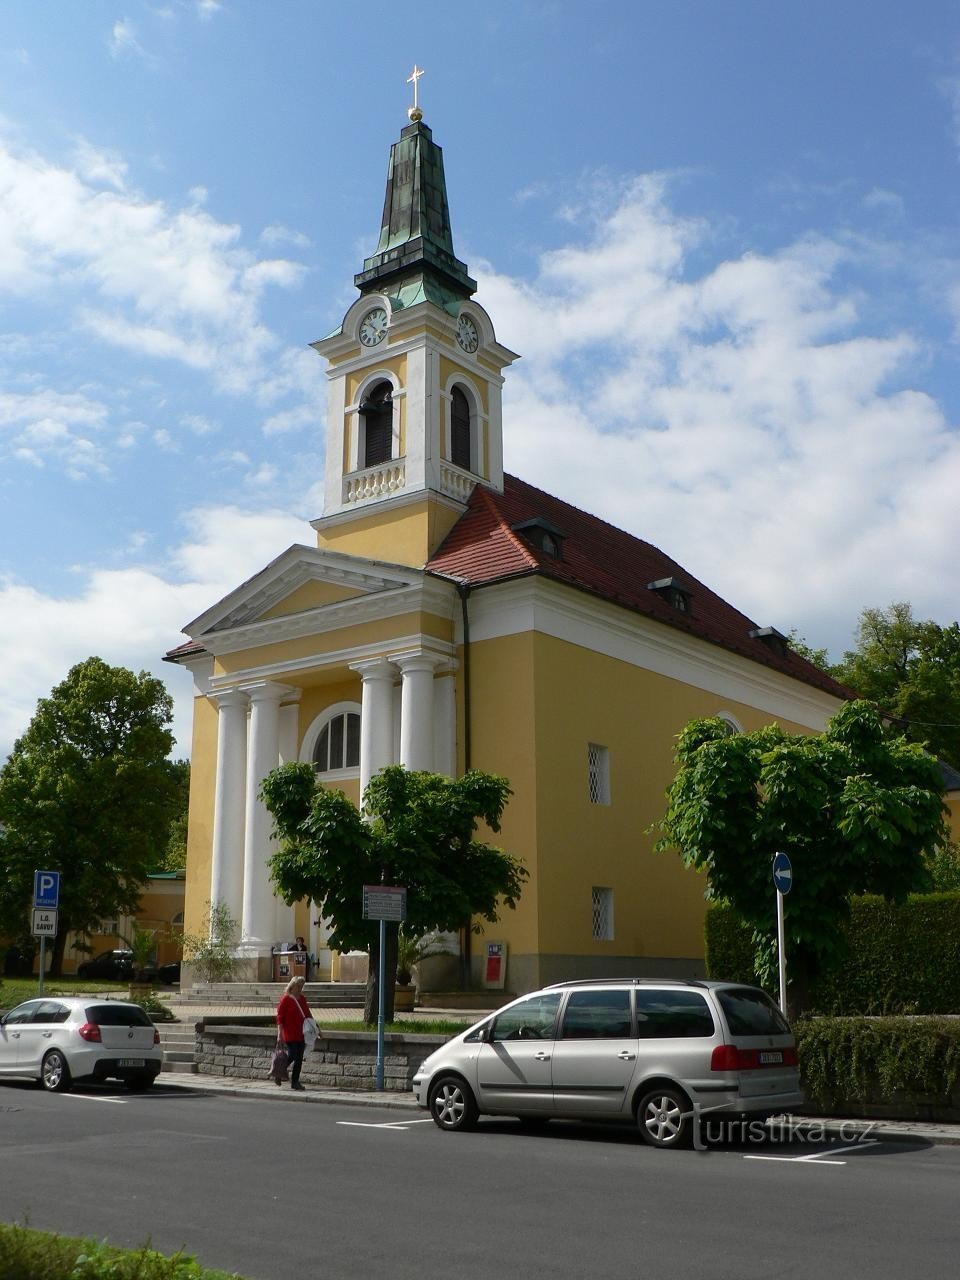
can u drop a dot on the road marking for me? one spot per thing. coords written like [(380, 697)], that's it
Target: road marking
[(93, 1097), (819, 1156), (401, 1125)]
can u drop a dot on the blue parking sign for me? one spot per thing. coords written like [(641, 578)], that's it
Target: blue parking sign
[(46, 889)]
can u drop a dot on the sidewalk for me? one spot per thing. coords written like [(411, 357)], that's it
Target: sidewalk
[(850, 1130)]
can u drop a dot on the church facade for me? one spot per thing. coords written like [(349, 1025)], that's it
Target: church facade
[(451, 616)]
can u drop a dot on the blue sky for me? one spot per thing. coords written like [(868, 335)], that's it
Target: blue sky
[(723, 238)]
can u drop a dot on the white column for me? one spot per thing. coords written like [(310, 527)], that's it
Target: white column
[(226, 867), (263, 754), (416, 709), (376, 717), (445, 736)]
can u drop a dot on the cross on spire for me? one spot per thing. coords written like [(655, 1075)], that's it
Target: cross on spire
[(414, 112)]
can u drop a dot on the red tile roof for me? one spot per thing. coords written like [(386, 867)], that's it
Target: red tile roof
[(604, 561)]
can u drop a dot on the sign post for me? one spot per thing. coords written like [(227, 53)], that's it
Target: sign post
[(46, 900), (383, 902), (783, 883)]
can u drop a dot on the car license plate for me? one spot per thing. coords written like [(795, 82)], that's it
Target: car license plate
[(771, 1059), (131, 1062)]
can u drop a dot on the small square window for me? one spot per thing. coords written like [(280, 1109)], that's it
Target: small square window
[(602, 909), (598, 773)]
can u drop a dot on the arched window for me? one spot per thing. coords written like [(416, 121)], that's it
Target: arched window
[(459, 429), (376, 410), (338, 745)]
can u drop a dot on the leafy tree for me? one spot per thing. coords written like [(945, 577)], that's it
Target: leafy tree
[(856, 810), (88, 790), (943, 866), (417, 830), (175, 855), (911, 670)]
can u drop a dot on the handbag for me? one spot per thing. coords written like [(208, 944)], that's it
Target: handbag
[(279, 1062), (310, 1032)]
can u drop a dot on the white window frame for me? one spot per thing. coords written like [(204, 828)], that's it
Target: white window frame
[(598, 773), (357, 433), (312, 735), (477, 420), (601, 913)]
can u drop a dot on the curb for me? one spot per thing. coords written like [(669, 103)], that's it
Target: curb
[(855, 1130)]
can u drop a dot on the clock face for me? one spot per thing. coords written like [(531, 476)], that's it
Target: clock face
[(373, 327), (467, 334)]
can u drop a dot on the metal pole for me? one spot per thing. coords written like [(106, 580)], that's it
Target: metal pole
[(782, 955), (43, 957), (382, 978)]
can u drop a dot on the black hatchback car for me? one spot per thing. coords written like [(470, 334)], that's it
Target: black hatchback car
[(108, 964)]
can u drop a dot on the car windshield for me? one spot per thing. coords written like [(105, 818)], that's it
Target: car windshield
[(117, 1015), (750, 1012)]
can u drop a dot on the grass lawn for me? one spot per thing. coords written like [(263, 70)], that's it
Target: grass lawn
[(14, 991), (37, 1255)]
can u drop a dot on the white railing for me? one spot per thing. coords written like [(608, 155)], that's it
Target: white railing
[(375, 482), (456, 483)]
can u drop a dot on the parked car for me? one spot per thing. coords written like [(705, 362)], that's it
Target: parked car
[(63, 1039), (108, 964), (656, 1053), (169, 973)]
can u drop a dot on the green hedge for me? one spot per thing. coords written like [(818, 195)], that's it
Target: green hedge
[(40, 1256), (908, 1067), (901, 960)]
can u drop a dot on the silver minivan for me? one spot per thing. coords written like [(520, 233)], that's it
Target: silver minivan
[(663, 1054)]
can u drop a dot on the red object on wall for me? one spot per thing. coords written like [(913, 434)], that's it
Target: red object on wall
[(493, 968)]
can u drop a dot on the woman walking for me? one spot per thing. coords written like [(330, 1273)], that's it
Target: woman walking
[(291, 1012)]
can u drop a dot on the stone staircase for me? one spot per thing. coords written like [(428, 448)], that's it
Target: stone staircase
[(261, 997)]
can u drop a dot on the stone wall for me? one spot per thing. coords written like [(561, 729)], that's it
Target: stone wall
[(339, 1060)]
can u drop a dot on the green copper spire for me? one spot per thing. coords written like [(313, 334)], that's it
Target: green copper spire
[(414, 261)]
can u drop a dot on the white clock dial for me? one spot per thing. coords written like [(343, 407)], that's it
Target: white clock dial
[(373, 327), (467, 334)]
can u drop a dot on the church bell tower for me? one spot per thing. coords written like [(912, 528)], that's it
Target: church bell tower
[(415, 377)]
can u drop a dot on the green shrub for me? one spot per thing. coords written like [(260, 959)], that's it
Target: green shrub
[(849, 1063), (41, 1256), (901, 958)]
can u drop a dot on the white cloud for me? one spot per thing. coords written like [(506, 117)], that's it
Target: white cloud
[(42, 636), (45, 426), (746, 419), (123, 39), (98, 165), (283, 235), (162, 282)]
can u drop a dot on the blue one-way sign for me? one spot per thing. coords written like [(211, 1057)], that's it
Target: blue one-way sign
[(46, 889), (782, 873)]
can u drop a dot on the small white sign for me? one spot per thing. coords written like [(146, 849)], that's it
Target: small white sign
[(44, 923)]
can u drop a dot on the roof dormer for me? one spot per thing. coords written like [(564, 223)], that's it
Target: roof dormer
[(676, 593)]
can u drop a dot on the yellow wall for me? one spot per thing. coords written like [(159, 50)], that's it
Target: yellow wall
[(203, 776), (312, 595), (407, 534)]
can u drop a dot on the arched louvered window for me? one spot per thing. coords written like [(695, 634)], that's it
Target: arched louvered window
[(459, 429), (376, 410), (338, 746)]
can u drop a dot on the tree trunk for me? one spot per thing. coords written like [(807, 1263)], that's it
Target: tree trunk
[(371, 1005)]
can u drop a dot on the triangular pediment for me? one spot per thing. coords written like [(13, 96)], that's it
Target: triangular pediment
[(301, 580)]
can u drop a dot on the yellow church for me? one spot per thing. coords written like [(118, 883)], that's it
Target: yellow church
[(452, 616)]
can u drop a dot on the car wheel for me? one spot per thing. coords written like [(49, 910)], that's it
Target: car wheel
[(54, 1072), (664, 1118), (452, 1105)]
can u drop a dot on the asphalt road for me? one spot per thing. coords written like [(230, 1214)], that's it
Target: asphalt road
[(280, 1191)]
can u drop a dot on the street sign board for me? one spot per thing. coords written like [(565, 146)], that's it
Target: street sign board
[(782, 873), (46, 889), (44, 923), (384, 902)]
